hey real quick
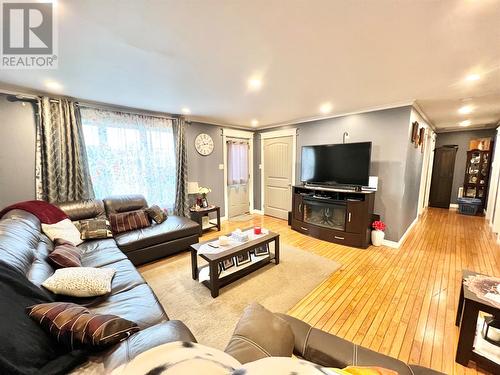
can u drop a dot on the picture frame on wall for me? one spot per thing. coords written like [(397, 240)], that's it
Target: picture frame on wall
[(414, 133), (243, 259), (421, 138)]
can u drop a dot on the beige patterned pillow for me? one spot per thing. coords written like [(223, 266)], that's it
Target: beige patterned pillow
[(80, 281)]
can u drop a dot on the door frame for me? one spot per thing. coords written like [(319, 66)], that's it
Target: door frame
[(276, 134), (426, 172), (242, 134)]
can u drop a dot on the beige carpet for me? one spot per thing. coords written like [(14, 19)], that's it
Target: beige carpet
[(212, 320)]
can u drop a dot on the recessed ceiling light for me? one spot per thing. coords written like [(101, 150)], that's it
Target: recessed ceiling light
[(473, 77), (465, 110), (255, 83), (325, 108), (254, 122), (465, 123), (53, 85), (186, 110)]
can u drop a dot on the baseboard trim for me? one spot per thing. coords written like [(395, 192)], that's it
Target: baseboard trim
[(258, 212), (397, 245), (453, 205)]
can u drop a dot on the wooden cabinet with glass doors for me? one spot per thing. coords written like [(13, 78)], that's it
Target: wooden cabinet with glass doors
[(477, 172)]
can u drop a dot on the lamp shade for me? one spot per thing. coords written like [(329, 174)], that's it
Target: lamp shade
[(193, 187)]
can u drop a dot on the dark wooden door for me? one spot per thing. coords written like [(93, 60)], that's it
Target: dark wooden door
[(442, 176)]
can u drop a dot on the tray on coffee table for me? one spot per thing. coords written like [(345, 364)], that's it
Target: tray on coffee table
[(217, 281)]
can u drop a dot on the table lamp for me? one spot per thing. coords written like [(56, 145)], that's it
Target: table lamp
[(193, 187)]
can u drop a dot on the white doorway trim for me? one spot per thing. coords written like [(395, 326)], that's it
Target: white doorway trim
[(242, 134), (276, 134)]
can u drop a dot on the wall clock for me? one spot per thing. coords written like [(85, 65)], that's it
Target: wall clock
[(204, 144)]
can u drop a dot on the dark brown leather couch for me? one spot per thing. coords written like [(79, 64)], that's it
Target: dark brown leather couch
[(24, 247), (142, 245), (328, 350)]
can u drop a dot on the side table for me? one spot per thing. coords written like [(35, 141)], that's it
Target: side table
[(197, 215), (469, 306)]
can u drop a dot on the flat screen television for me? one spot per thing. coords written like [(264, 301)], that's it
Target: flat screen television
[(340, 164)]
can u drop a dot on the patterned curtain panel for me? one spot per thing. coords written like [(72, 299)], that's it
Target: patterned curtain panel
[(61, 162), (131, 154), (181, 194)]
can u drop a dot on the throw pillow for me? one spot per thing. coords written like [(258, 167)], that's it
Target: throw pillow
[(248, 342), (80, 281), (127, 221), (157, 214), (65, 254), (75, 326), (63, 229), (94, 228)]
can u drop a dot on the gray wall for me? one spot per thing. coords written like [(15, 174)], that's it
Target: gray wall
[(17, 151), (205, 169), (394, 160), (461, 138)]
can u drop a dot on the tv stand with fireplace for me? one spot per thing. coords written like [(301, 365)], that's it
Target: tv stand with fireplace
[(332, 214)]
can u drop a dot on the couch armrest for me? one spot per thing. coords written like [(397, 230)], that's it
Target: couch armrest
[(162, 333), (329, 350)]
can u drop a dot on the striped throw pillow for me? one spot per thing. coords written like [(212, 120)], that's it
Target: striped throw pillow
[(127, 221), (65, 254), (75, 326)]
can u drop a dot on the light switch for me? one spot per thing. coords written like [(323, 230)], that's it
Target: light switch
[(221, 166)]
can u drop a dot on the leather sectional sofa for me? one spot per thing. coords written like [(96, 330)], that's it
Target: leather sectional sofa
[(142, 245), (24, 247)]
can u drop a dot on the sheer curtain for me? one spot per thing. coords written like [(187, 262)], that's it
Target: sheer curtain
[(131, 154), (237, 160)]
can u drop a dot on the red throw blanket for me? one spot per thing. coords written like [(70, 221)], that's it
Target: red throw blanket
[(47, 213)]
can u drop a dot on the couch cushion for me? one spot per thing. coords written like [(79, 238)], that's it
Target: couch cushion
[(172, 228), (259, 334), (100, 253), (126, 276), (138, 304), (85, 209), (124, 203)]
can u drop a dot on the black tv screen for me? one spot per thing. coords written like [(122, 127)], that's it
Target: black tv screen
[(340, 164)]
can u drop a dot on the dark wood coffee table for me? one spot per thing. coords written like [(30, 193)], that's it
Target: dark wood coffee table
[(215, 283)]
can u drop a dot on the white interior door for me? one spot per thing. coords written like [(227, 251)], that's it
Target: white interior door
[(278, 165), (238, 177)]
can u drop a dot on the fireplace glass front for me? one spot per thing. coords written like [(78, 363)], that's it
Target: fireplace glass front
[(325, 214)]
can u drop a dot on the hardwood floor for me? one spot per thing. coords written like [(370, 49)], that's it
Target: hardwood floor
[(401, 302)]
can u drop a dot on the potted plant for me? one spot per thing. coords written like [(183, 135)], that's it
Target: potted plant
[(378, 232), (204, 191)]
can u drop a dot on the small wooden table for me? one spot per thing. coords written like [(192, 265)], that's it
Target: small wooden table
[(197, 215), (215, 283), (469, 305)]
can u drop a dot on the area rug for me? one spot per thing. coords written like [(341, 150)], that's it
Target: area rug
[(212, 320)]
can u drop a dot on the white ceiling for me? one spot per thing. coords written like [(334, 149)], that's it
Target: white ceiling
[(358, 55)]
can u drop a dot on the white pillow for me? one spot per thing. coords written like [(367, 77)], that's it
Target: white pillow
[(64, 229), (80, 281)]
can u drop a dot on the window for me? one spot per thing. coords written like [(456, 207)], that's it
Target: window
[(130, 154)]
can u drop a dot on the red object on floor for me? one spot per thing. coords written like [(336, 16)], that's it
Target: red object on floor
[(257, 230), (47, 213)]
